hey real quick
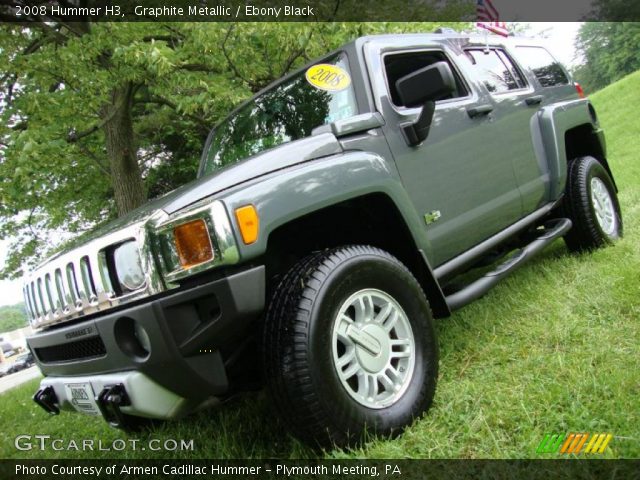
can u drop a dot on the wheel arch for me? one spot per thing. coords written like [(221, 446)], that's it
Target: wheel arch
[(587, 140), (564, 131), (371, 219)]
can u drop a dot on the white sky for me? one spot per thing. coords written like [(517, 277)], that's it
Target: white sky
[(10, 290), (560, 37)]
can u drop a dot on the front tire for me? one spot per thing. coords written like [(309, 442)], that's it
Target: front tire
[(349, 346), (592, 205)]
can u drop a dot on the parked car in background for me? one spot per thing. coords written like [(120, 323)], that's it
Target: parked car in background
[(7, 349), (21, 363)]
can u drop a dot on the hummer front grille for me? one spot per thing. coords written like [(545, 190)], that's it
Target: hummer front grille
[(83, 281)]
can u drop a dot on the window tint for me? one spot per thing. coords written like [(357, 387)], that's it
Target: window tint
[(546, 68), (496, 70), (401, 64)]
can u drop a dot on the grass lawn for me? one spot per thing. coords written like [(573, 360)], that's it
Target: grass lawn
[(553, 349)]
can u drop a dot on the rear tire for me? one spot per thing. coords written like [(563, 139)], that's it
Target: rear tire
[(349, 347), (592, 205)]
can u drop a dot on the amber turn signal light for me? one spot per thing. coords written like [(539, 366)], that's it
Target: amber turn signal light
[(248, 223), (193, 243)]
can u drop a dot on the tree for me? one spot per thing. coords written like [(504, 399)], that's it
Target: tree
[(12, 317), (97, 117), (610, 51)]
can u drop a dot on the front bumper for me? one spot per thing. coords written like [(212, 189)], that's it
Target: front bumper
[(187, 333)]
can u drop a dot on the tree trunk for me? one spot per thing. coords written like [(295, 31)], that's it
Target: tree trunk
[(126, 178)]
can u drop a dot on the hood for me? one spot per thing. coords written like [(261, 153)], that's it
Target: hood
[(258, 165)]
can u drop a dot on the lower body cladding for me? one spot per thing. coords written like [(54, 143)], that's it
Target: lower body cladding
[(159, 359)]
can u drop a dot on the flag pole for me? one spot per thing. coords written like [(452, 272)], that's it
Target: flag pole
[(486, 42)]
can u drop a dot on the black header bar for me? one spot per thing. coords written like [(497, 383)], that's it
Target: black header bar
[(314, 10)]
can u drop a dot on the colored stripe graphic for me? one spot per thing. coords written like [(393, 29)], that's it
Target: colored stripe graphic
[(605, 443), (590, 444), (573, 443), (567, 443), (550, 443), (581, 443)]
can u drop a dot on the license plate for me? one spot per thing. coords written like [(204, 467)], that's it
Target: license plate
[(82, 398)]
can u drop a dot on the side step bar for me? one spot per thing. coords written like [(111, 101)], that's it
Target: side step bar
[(553, 229)]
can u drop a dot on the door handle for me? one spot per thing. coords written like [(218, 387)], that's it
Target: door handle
[(535, 100), (479, 110)]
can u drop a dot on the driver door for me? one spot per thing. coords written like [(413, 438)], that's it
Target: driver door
[(459, 178)]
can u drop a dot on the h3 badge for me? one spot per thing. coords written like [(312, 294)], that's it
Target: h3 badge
[(432, 216)]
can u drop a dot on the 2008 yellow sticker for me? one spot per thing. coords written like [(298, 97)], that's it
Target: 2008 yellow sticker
[(328, 77)]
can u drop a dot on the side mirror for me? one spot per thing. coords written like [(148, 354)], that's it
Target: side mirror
[(422, 88)]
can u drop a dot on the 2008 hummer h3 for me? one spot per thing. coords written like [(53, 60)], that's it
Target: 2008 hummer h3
[(330, 216)]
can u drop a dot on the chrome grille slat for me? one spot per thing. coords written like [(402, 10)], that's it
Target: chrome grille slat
[(48, 288), (70, 276), (82, 291), (77, 283), (32, 291), (100, 274), (63, 289), (43, 306), (27, 301)]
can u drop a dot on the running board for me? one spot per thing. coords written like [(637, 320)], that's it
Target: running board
[(553, 229)]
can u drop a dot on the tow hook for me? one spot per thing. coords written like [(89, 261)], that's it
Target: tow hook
[(46, 398), (109, 401)]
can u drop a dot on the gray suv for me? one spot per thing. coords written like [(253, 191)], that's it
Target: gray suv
[(332, 218)]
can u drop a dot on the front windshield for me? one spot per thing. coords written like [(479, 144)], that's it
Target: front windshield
[(287, 112)]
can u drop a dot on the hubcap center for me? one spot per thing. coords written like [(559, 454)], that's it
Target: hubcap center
[(372, 346)]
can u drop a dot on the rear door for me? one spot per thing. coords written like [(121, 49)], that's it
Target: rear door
[(552, 85)]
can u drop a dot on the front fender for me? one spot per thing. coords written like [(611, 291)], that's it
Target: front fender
[(297, 191)]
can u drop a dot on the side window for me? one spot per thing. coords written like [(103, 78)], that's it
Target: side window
[(496, 70), (546, 68), (398, 65)]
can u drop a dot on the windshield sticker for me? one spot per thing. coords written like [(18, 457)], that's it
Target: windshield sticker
[(330, 78)]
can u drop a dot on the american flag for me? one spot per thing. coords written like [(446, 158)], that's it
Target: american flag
[(488, 18)]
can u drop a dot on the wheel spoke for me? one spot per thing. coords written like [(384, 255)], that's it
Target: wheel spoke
[(367, 385), (363, 384), (384, 313), (353, 369), (342, 333), (395, 377), (402, 354), (386, 382), (391, 321), (348, 357), (373, 386), (364, 309), (400, 342), (369, 310)]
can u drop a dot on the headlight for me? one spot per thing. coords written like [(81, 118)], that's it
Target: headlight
[(129, 271), (195, 240)]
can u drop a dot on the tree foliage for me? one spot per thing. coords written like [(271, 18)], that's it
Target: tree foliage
[(12, 317), (97, 117), (610, 51)]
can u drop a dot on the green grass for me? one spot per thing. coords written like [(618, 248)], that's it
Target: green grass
[(552, 349)]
